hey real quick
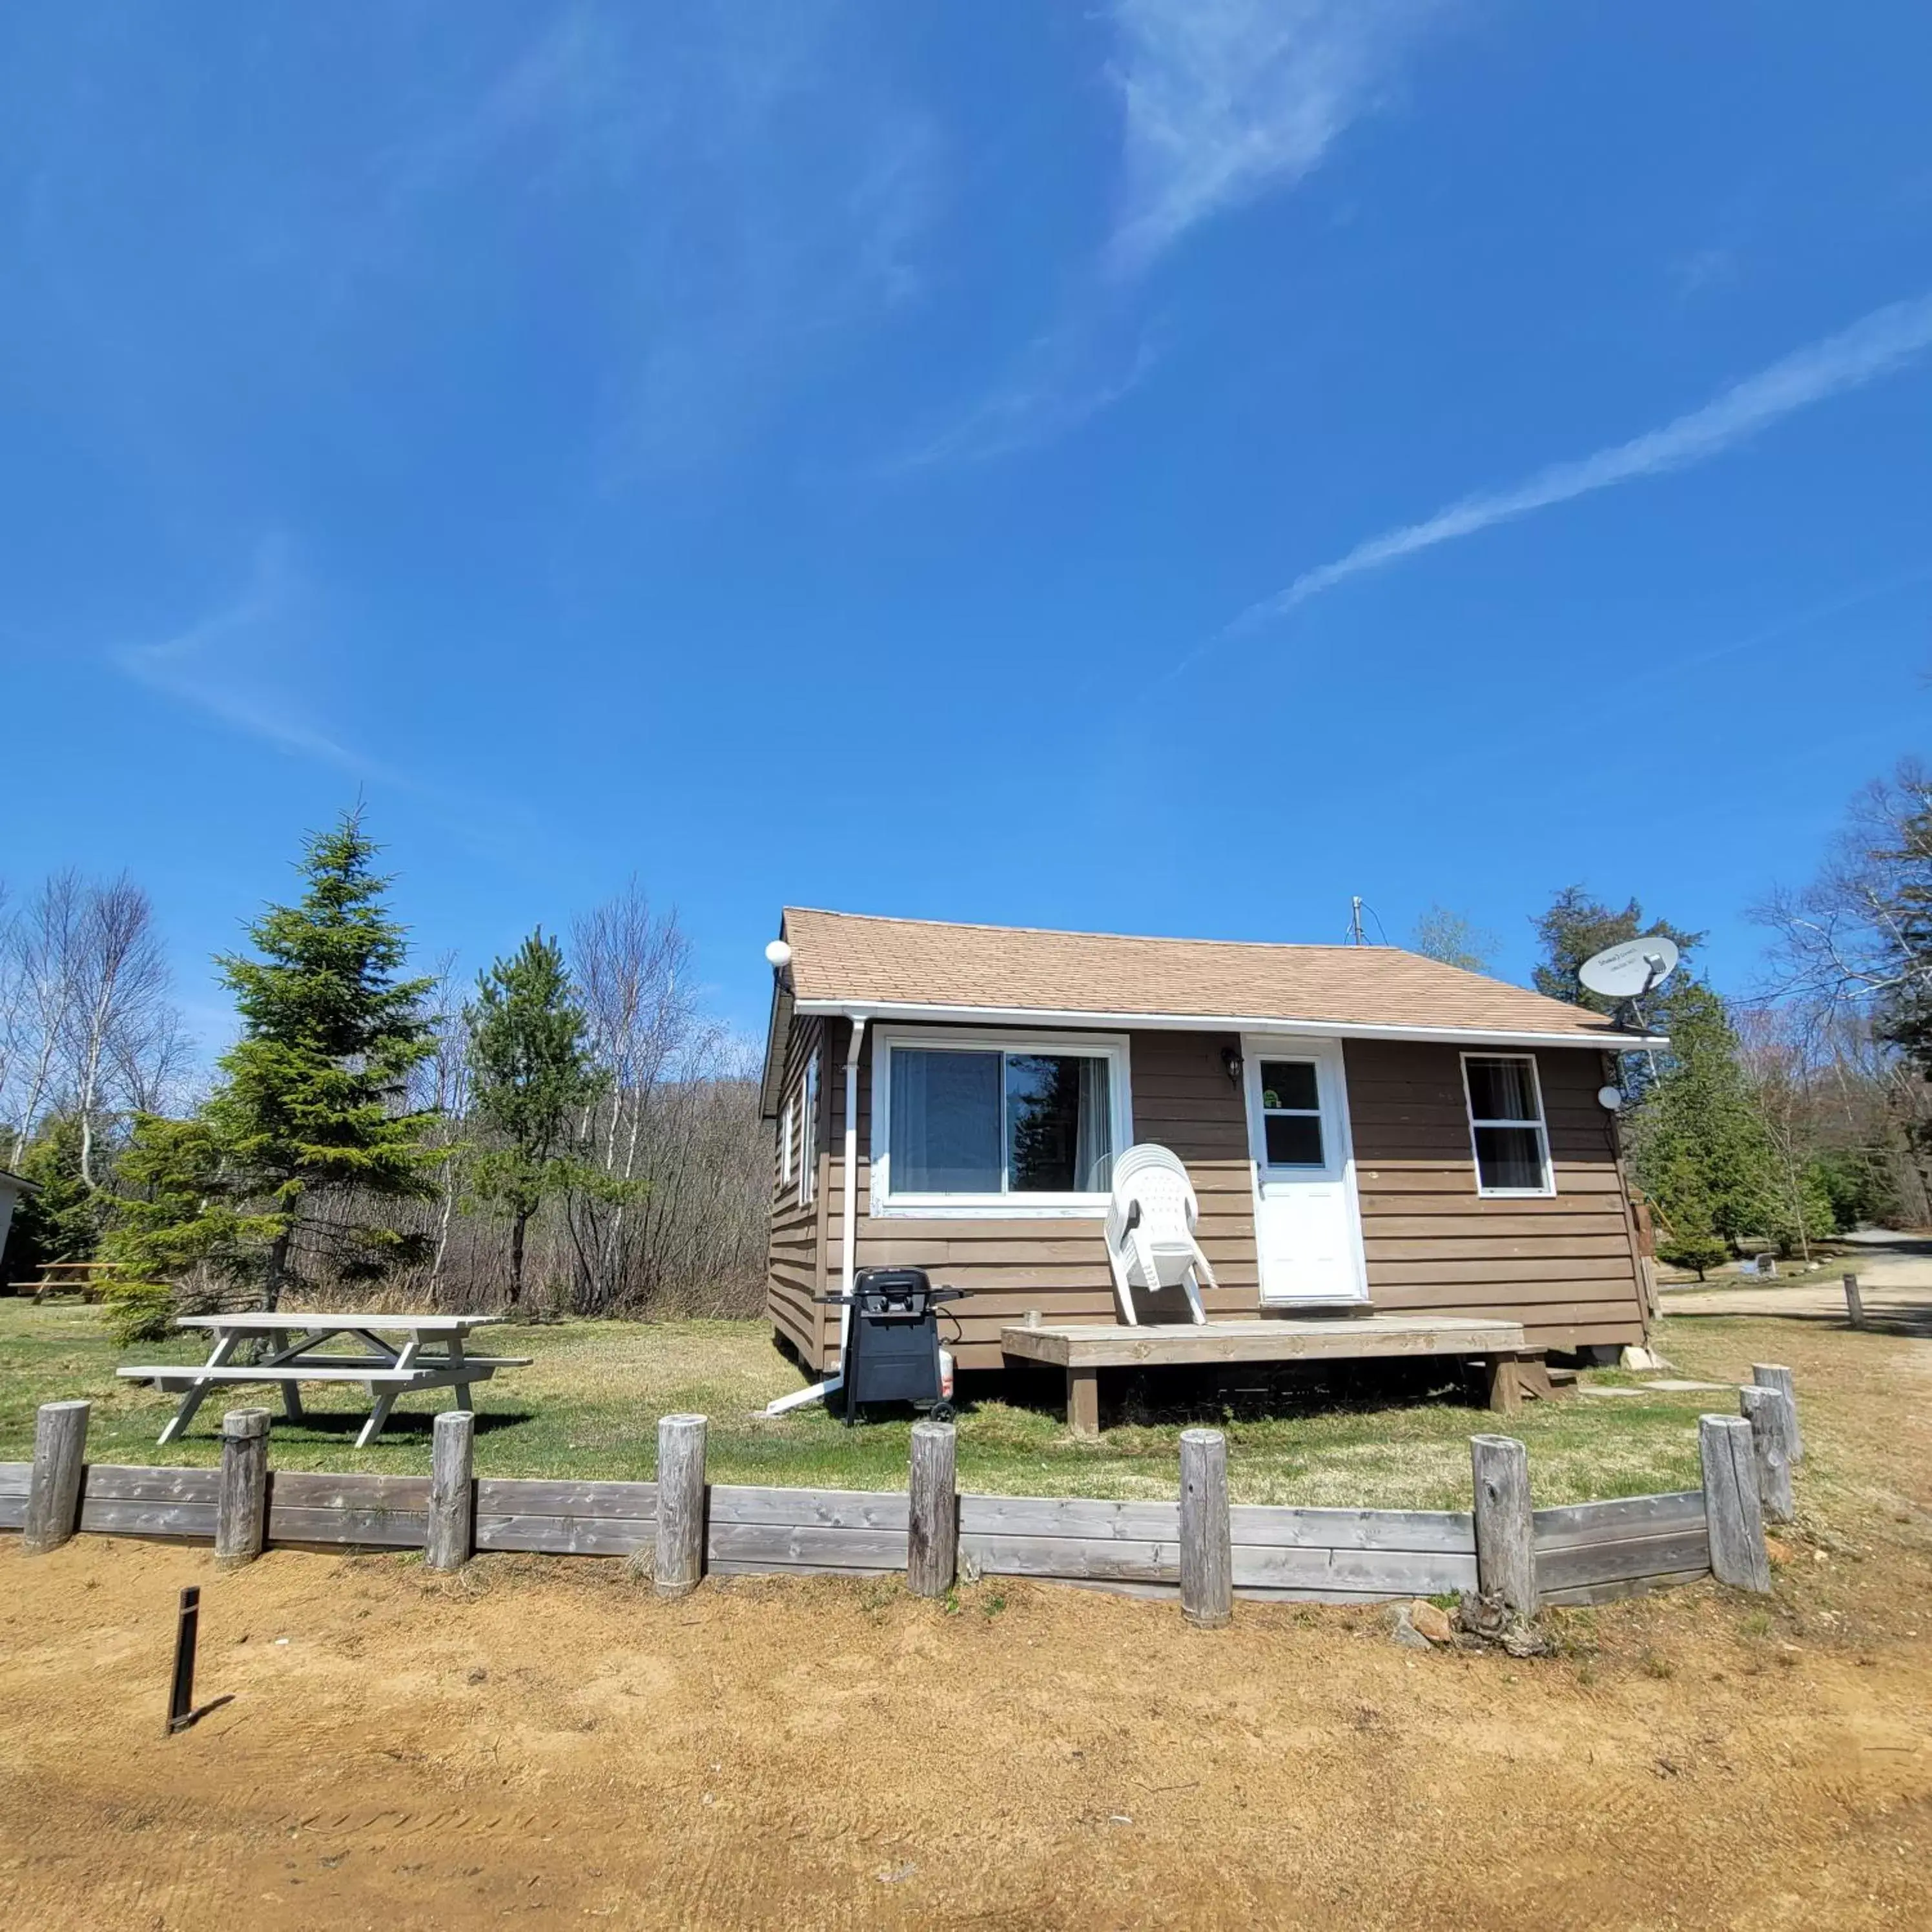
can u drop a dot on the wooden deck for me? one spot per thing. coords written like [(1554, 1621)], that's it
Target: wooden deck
[(1082, 1348)]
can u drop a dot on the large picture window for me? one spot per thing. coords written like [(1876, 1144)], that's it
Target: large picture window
[(1512, 1146), (1024, 1124)]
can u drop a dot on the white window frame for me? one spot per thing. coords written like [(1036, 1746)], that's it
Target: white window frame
[(785, 1144), (808, 1132), (886, 1203), (1548, 1187)]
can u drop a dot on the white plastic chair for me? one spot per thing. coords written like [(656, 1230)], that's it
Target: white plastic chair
[(1150, 1221)]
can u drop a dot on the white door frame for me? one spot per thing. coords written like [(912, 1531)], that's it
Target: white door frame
[(1332, 1084)]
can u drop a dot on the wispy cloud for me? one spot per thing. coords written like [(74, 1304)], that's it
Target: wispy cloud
[(1877, 345), (1224, 100), (225, 663), (1059, 380)]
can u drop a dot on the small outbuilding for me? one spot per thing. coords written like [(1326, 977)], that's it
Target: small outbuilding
[(12, 1187), (1369, 1133)]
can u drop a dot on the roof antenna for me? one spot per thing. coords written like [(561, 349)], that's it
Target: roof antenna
[(1356, 936)]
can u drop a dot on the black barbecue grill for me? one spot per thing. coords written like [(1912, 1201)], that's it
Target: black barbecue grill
[(892, 1340)]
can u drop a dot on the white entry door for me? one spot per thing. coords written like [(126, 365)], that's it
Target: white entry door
[(1308, 1226)]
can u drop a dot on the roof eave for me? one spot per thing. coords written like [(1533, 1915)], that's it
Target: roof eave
[(1609, 1040)]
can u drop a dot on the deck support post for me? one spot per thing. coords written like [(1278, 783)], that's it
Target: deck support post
[(1207, 1540), (452, 1492), (53, 1489), (1083, 1401), (1775, 1375), (1768, 1412), (1731, 1506), (932, 1546), (241, 1498), (1505, 1523), (1504, 1388), (680, 1527)]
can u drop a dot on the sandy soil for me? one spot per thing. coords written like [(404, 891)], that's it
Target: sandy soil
[(544, 1742)]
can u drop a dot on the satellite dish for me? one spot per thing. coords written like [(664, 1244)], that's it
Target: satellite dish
[(1629, 971), (779, 954)]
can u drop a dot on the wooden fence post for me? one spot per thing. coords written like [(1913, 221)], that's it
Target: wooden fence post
[(1774, 1376), (241, 1497), (680, 1540), (1855, 1306), (452, 1534), (53, 1489), (932, 1547), (1731, 1508), (1768, 1411), (1207, 1540), (1505, 1525)]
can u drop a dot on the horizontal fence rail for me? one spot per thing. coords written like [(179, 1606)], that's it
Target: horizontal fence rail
[(1516, 1558)]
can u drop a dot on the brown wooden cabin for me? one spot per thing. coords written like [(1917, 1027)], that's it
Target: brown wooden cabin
[(1366, 1129)]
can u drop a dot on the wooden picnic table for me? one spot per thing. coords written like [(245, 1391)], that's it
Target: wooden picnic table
[(431, 1356)]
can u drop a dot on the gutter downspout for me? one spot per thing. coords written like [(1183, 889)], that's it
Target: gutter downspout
[(818, 1391)]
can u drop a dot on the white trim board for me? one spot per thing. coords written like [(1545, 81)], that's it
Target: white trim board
[(1044, 1016)]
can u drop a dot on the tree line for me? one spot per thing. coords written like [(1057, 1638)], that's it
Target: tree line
[(1799, 1109), (571, 1133)]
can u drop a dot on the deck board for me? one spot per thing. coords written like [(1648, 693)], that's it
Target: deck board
[(1092, 1345)]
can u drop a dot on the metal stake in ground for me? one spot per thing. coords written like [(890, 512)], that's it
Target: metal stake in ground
[(181, 1697)]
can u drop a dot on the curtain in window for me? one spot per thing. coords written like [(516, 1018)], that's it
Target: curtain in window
[(1093, 1146), (1502, 1089), (946, 1122)]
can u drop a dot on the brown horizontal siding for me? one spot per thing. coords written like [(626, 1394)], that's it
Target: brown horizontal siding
[(794, 1266), (1564, 1266)]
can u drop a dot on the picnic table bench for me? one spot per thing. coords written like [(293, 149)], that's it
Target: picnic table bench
[(85, 1279), (432, 1356)]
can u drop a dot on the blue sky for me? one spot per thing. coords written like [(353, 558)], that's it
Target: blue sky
[(1161, 465)]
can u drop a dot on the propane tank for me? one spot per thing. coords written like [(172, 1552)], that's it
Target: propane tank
[(945, 1375)]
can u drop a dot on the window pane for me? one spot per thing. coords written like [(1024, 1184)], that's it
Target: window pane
[(1058, 1124), (1294, 1140), (1502, 1089), (945, 1122), (1509, 1157), (1289, 1083)]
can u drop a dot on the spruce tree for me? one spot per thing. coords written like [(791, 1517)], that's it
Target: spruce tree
[(311, 1107), (1698, 1144), (532, 1078)]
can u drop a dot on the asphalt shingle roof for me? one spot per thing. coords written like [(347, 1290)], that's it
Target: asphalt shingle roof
[(855, 958)]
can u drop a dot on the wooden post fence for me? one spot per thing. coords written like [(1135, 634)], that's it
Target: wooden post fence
[(680, 1530), (242, 1500), (451, 1532), (1775, 1375), (1768, 1412), (1207, 1537), (53, 1489), (1505, 1524), (1731, 1506), (1854, 1305), (932, 1545)]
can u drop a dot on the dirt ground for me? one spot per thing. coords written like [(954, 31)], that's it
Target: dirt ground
[(543, 1742)]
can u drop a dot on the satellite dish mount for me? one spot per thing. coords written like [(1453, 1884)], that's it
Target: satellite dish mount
[(1629, 974)]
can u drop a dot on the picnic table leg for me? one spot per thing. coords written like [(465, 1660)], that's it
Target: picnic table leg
[(197, 1392), (463, 1401), (381, 1401), (292, 1402)]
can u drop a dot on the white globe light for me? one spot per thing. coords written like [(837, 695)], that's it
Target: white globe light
[(1611, 1097), (779, 954)]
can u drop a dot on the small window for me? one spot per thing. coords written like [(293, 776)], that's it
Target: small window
[(1291, 1113), (785, 1144), (808, 1132), (1506, 1124)]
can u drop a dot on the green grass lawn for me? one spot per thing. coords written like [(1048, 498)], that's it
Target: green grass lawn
[(588, 1405)]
